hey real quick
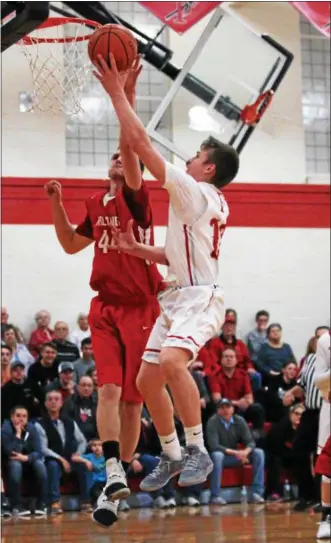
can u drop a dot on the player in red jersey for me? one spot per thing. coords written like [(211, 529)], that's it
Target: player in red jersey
[(124, 311)]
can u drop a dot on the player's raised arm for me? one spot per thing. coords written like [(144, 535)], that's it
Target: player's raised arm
[(130, 159), (71, 241), (133, 129)]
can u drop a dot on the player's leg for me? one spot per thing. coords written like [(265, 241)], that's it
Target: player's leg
[(323, 467), (108, 358)]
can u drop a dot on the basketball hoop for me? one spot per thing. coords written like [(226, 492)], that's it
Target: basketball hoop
[(59, 64)]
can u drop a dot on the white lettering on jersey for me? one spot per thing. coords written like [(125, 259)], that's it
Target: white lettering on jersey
[(107, 221)]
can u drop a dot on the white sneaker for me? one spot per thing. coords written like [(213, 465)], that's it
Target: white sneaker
[(105, 512), (171, 502), (192, 501), (116, 487), (324, 530), (160, 503)]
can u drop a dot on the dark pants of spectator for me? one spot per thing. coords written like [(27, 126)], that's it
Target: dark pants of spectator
[(304, 446), (149, 463), (55, 471), (17, 470), (256, 381), (254, 414), (276, 463)]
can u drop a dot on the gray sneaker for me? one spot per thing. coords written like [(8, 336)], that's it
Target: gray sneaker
[(218, 500), (256, 498), (164, 471), (197, 467)]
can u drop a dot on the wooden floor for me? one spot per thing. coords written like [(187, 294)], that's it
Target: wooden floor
[(273, 523)]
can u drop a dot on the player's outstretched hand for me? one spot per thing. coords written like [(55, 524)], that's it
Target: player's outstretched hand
[(110, 78), (124, 242), (133, 74), (54, 191)]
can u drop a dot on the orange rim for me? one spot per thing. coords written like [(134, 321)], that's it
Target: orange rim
[(52, 22)]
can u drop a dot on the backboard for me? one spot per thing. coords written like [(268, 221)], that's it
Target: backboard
[(236, 65)]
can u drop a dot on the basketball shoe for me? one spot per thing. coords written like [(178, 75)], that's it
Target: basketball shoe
[(105, 512), (116, 487), (164, 471), (197, 467)]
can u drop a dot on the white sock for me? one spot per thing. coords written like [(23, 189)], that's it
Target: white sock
[(194, 436), (171, 446)]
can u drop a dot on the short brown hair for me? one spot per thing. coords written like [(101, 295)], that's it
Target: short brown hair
[(225, 158)]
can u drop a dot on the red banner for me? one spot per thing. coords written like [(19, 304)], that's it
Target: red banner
[(180, 16), (318, 13)]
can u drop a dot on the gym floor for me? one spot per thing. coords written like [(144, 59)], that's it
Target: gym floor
[(274, 523)]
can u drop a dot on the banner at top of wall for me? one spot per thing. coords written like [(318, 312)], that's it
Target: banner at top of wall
[(180, 16), (317, 13)]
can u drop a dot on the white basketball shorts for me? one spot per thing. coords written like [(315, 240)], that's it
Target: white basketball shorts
[(190, 316), (324, 425)]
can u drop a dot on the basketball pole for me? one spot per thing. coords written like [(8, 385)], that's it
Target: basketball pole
[(190, 61)]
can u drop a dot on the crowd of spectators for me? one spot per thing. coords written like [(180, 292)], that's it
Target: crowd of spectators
[(49, 405)]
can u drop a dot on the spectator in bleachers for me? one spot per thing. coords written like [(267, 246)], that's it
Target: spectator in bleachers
[(65, 383), (42, 334), (19, 390), (5, 323), (278, 445), (320, 331), (66, 350), (258, 336), (92, 372), (19, 351), (82, 408), (62, 444), (6, 356), (225, 432), (23, 457), (96, 466), (82, 332), (233, 383), (86, 361), (45, 369), (275, 405), (273, 354), (228, 339), (305, 443)]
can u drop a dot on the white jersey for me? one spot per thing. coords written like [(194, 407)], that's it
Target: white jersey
[(197, 217), (322, 365)]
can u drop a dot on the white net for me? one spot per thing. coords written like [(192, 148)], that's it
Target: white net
[(60, 70)]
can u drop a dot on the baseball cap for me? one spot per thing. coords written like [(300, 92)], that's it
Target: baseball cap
[(223, 401), (66, 366), (16, 364)]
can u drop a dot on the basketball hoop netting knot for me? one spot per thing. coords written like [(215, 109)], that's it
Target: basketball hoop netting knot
[(59, 63)]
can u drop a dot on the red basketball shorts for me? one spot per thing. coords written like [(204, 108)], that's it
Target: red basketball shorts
[(119, 335), (323, 463)]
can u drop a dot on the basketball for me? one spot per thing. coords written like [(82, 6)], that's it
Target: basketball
[(113, 39)]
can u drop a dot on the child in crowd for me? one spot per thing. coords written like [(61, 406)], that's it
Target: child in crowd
[(96, 474)]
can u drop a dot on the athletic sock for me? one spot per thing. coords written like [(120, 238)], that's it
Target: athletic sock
[(326, 510), (194, 436), (125, 465), (171, 446), (111, 449)]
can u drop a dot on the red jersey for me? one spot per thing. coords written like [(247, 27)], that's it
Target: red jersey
[(119, 278), (218, 344)]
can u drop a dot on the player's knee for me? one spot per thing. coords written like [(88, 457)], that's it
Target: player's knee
[(130, 410), (149, 379), (173, 360), (109, 393)]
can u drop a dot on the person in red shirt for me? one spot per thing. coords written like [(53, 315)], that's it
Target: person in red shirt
[(233, 383), (123, 313), (228, 338), (42, 334)]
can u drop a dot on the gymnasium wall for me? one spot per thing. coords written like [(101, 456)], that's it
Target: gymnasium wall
[(275, 253)]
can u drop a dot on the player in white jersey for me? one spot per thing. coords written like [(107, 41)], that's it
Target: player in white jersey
[(192, 307), (322, 381)]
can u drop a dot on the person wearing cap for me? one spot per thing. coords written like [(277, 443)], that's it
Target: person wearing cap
[(20, 390), (224, 433), (228, 339), (65, 383)]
